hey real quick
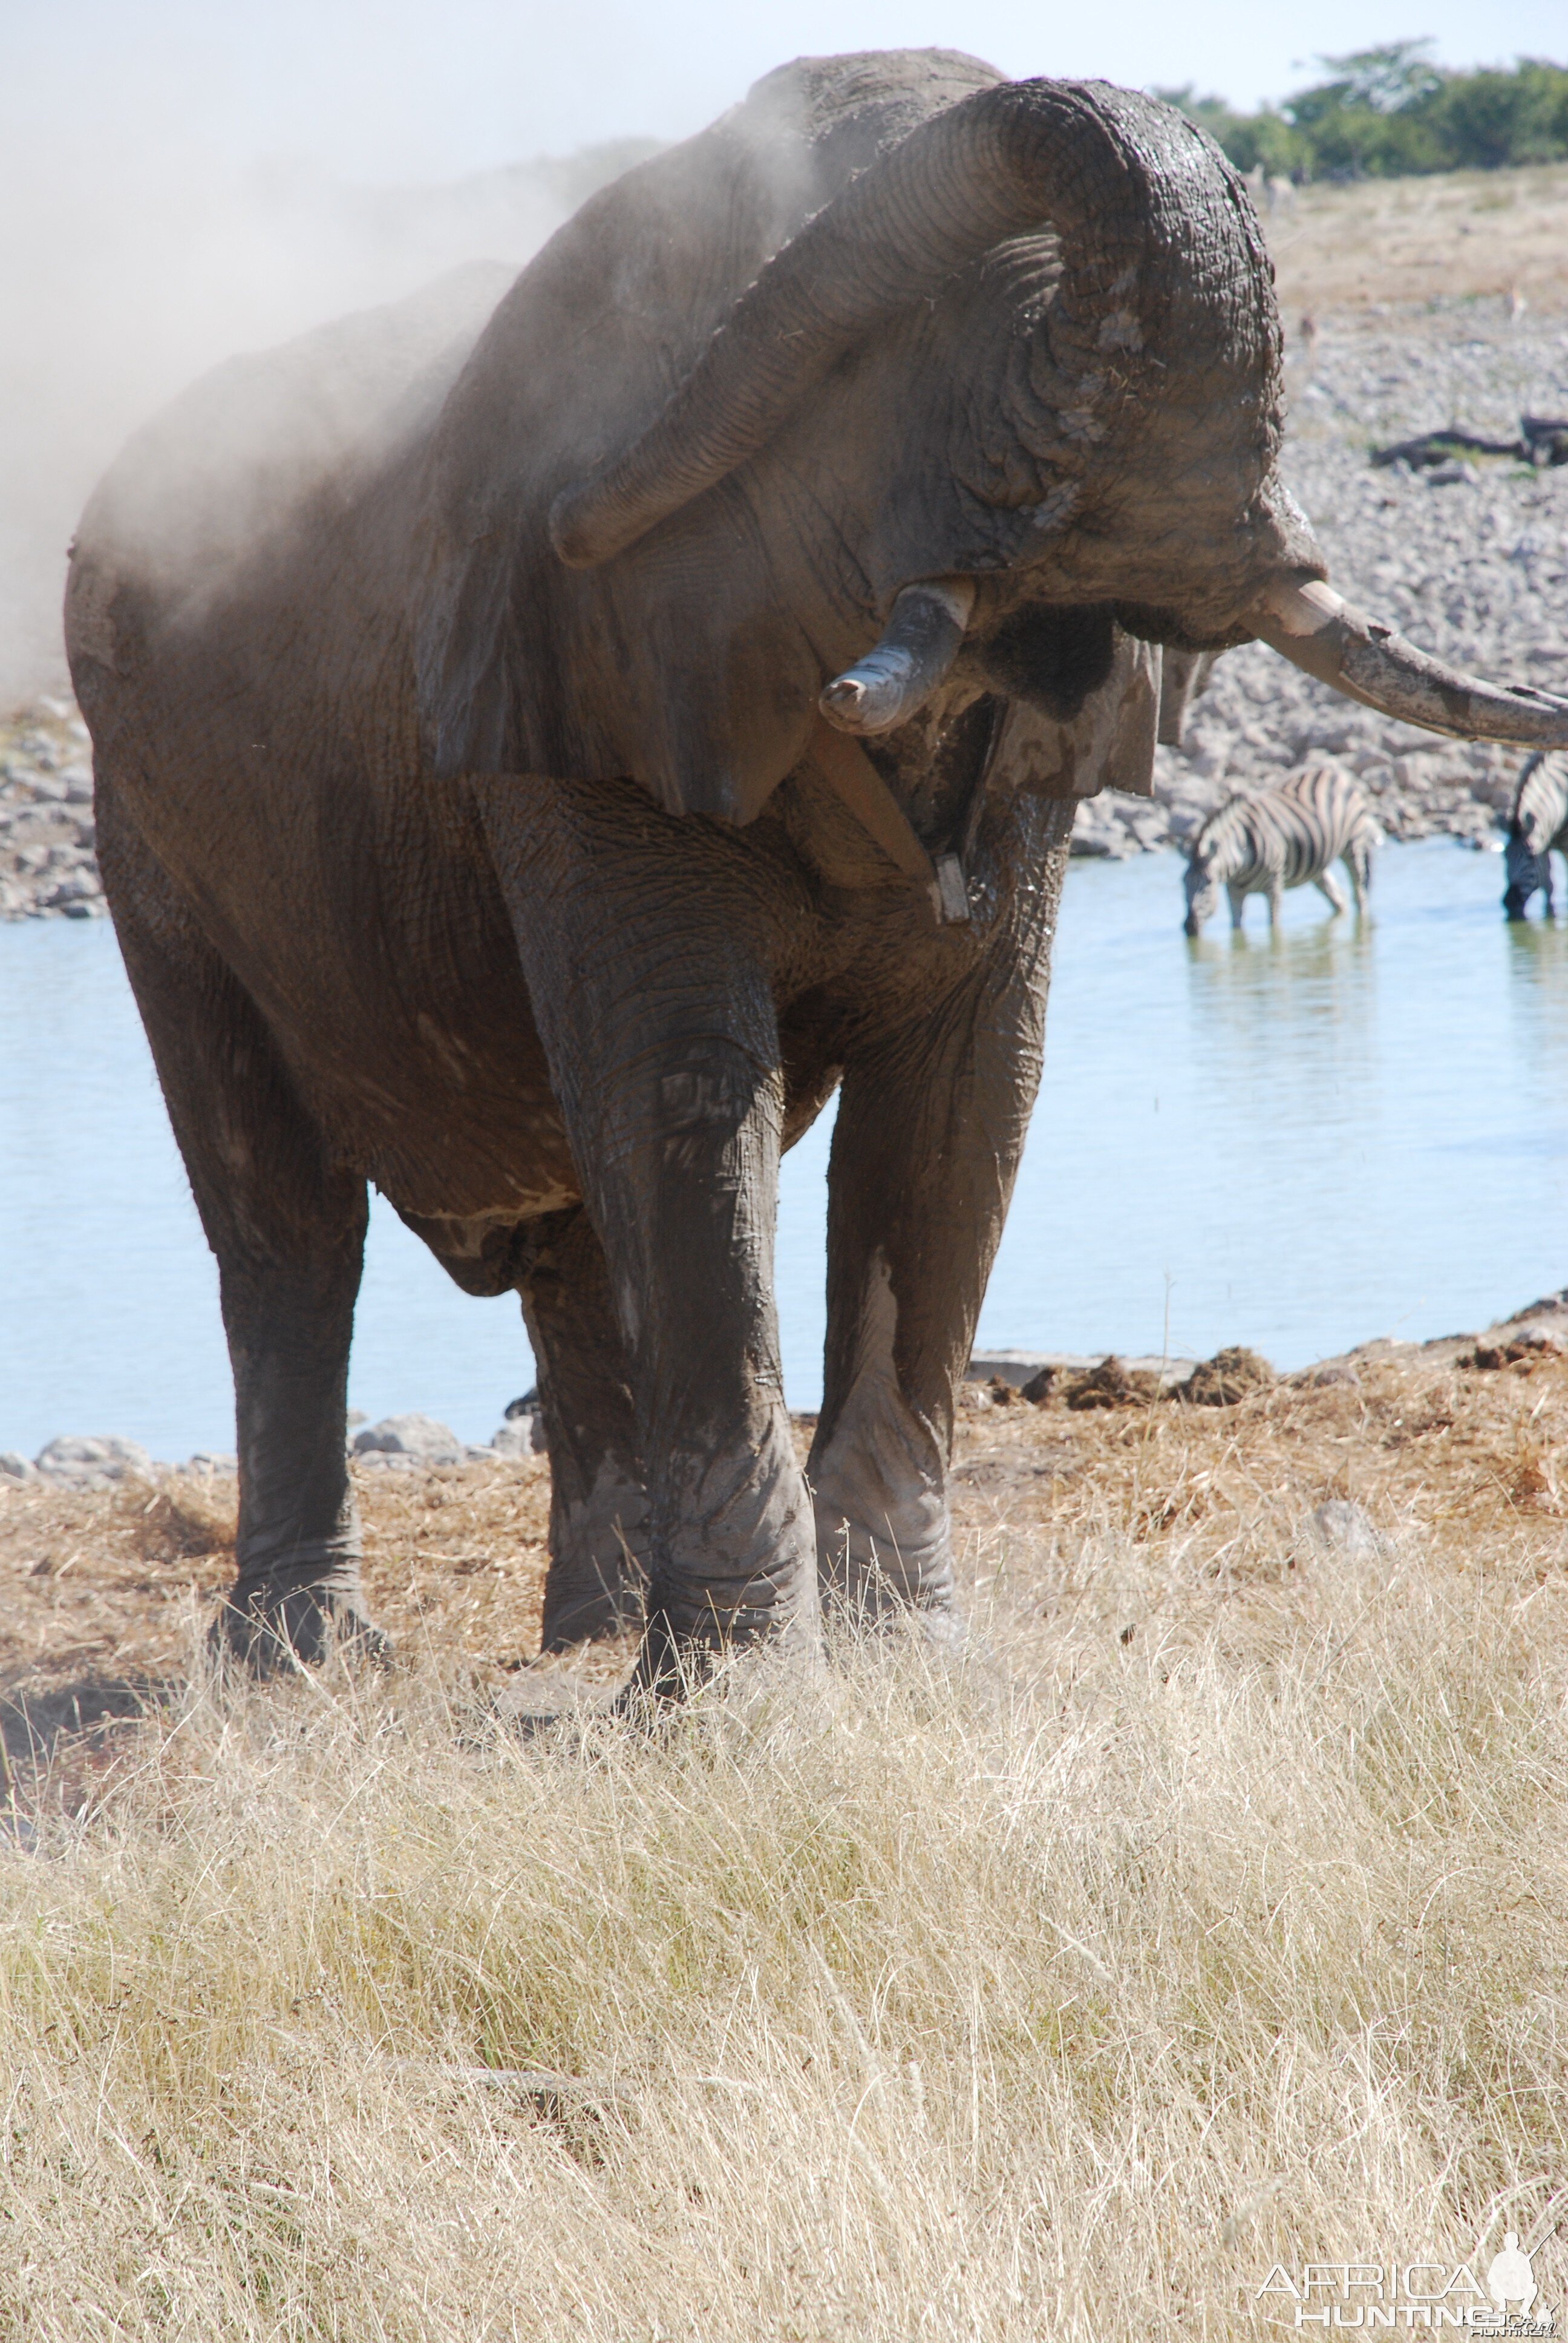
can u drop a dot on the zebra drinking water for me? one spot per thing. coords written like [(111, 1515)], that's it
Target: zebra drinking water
[(1539, 829), (1261, 841)]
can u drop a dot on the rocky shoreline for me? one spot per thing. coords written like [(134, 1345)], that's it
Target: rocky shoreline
[(405, 1444), (48, 866), (1471, 560), (995, 1379)]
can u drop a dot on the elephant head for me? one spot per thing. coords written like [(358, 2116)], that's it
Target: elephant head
[(1022, 375)]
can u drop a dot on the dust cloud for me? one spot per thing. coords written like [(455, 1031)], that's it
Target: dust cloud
[(128, 268)]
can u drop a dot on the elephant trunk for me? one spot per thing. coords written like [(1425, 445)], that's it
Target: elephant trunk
[(1312, 626), (1114, 176)]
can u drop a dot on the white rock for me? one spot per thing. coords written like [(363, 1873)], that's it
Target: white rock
[(92, 1461), (1344, 1528), (522, 1435), (419, 1437), (1545, 1338), (17, 1468)]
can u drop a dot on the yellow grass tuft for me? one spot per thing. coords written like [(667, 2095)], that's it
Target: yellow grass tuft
[(1213, 1912)]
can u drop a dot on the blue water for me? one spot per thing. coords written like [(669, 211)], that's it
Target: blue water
[(1296, 1142)]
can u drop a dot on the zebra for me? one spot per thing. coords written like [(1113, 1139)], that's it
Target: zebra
[(1539, 829), (1261, 841)]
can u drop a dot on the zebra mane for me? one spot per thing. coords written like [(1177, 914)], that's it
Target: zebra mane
[(1234, 819)]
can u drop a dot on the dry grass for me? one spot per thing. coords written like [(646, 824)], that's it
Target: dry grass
[(102, 1584), (1461, 235), (1059, 1991)]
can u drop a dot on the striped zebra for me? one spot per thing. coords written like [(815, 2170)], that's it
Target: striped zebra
[(1538, 829), (1261, 841)]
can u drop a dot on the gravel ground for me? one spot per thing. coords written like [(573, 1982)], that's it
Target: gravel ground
[(47, 866), (1474, 568)]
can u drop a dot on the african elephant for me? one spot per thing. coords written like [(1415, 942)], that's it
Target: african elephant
[(548, 742)]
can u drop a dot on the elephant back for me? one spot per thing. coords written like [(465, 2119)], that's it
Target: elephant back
[(230, 469)]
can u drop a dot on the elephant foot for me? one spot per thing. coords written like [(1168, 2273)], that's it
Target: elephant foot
[(873, 1600), (873, 1607), (672, 1665), (598, 1565), (273, 1630), (870, 1581), (672, 1668), (884, 1535), (734, 1565)]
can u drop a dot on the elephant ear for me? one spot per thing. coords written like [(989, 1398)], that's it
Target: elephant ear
[(676, 664), (1106, 743)]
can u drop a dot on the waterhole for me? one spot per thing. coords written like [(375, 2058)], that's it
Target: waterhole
[(1295, 1142)]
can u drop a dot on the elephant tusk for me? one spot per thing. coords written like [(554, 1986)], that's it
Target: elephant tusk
[(1312, 626), (918, 645)]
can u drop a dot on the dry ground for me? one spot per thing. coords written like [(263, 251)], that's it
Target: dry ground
[(100, 1589), (1213, 1913), (1458, 236)]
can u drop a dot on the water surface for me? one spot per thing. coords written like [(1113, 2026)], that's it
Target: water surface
[(1295, 1143)]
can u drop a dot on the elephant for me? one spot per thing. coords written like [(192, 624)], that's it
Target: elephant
[(553, 735)]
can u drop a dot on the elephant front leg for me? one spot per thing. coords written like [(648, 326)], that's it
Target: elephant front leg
[(924, 1154), (646, 969), (878, 1475), (685, 1183)]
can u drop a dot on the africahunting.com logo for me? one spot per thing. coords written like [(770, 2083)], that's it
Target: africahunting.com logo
[(1504, 2299)]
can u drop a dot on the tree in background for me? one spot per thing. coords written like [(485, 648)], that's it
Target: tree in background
[(1386, 111)]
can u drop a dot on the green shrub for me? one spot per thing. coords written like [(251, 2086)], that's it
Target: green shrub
[(1389, 112)]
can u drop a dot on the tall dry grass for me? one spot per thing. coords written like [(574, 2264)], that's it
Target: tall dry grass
[(1059, 1991)]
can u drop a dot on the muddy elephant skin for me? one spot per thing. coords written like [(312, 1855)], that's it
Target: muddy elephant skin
[(469, 823)]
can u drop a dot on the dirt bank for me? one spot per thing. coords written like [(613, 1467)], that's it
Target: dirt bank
[(102, 1587), (1459, 236)]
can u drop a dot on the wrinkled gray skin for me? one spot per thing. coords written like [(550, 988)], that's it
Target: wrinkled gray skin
[(498, 868)]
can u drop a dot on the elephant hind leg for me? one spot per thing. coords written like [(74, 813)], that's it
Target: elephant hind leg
[(932, 1123), (598, 1505), (918, 1189), (879, 1476), (287, 1226)]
